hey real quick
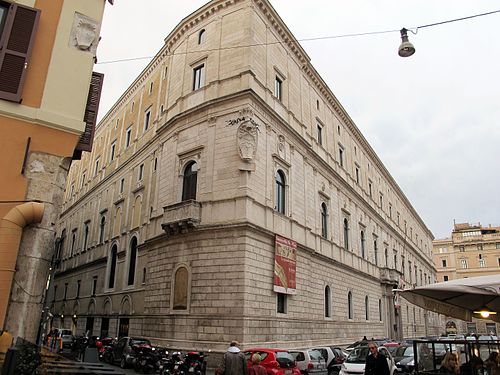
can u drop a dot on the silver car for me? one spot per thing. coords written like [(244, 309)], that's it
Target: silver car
[(310, 361)]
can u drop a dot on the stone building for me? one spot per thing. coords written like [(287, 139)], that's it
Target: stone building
[(230, 196), (472, 250), (48, 99)]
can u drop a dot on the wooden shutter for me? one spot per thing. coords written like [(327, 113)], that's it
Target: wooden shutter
[(16, 44), (90, 117)]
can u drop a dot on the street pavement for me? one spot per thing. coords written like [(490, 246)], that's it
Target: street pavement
[(129, 371)]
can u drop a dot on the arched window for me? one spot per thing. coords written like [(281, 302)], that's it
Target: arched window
[(367, 309), (85, 237), (102, 227), (280, 192), (380, 309), (112, 266), (324, 220), (349, 305), (346, 234), (132, 261), (328, 312), (189, 181), (362, 235), (181, 282), (201, 36)]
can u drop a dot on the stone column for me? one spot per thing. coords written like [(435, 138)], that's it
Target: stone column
[(46, 175)]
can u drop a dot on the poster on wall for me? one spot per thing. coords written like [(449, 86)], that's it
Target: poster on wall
[(285, 262)]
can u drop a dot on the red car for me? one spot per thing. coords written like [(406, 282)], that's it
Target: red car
[(276, 361)]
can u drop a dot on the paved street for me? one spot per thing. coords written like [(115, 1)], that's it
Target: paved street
[(128, 371)]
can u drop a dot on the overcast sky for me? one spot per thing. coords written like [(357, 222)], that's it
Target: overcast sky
[(432, 118)]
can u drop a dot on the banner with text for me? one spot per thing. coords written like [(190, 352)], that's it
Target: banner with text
[(285, 262)]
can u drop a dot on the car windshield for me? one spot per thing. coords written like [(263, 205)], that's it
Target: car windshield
[(358, 355), (285, 359)]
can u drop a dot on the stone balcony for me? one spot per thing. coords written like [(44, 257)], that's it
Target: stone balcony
[(180, 217), (390, 276)]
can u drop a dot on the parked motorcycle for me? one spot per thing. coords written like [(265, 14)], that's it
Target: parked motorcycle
[(173, 365), (195, 363), (148, 359)]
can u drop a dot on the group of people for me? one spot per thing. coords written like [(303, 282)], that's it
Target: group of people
[(234, 363), (476, 365)]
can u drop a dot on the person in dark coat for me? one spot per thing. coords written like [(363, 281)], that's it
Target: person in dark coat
[(376, 362), (234, 362)]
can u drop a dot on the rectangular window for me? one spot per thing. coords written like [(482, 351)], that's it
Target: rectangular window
[(357, 174), (18, 24), (445, 278), (78, 286), (128, 136), (370, 188), (94, 285), (151, 88), (461, 249), (122, 185), (96, 168), (278, 87), (381, 200), (480, 246), (84, 175), (65, 291), (141, 172), (320, 134), (443, 262), (482, 263), (281, 303), (463, 262), (198, 77), (155, 164), (341, 156), (147, 119), (112, 151), (497, 245)]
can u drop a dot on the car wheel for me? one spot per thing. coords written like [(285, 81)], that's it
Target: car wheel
[(333, 371), (123, 363)]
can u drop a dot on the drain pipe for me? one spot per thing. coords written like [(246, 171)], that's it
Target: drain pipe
[(11, 230)]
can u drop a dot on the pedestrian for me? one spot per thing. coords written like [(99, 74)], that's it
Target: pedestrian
[(449, 365), (257, 368), (492, 364), (234, 362), (376, 363)]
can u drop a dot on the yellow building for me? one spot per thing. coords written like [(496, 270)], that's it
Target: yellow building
[(48, 104), (472, 250)]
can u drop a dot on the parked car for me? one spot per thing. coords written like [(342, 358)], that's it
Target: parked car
[(379, 342), (66, 335), (124, 352), (334, 358), (392, 347), (355, 362), (310, 361), (406, 365), (276, 361), (402, 352)]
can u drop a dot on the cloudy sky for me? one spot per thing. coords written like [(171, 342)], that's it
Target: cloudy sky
[(432, 118)]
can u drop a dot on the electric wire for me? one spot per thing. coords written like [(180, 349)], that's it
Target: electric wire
[(416, 28)]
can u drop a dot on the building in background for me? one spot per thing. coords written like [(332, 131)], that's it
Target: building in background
[(48, 104), (472, 250), (230, 196)]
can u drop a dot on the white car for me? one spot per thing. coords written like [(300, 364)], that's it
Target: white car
[(355, 362), (309, 361)]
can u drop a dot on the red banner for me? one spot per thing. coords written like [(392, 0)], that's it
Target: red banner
[(285, 262)]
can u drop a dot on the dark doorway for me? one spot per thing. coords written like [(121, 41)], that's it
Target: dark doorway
[(105, 327), (89, 326), (123, 327)]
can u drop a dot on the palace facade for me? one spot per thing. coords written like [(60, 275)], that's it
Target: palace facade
[(230, 196)]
